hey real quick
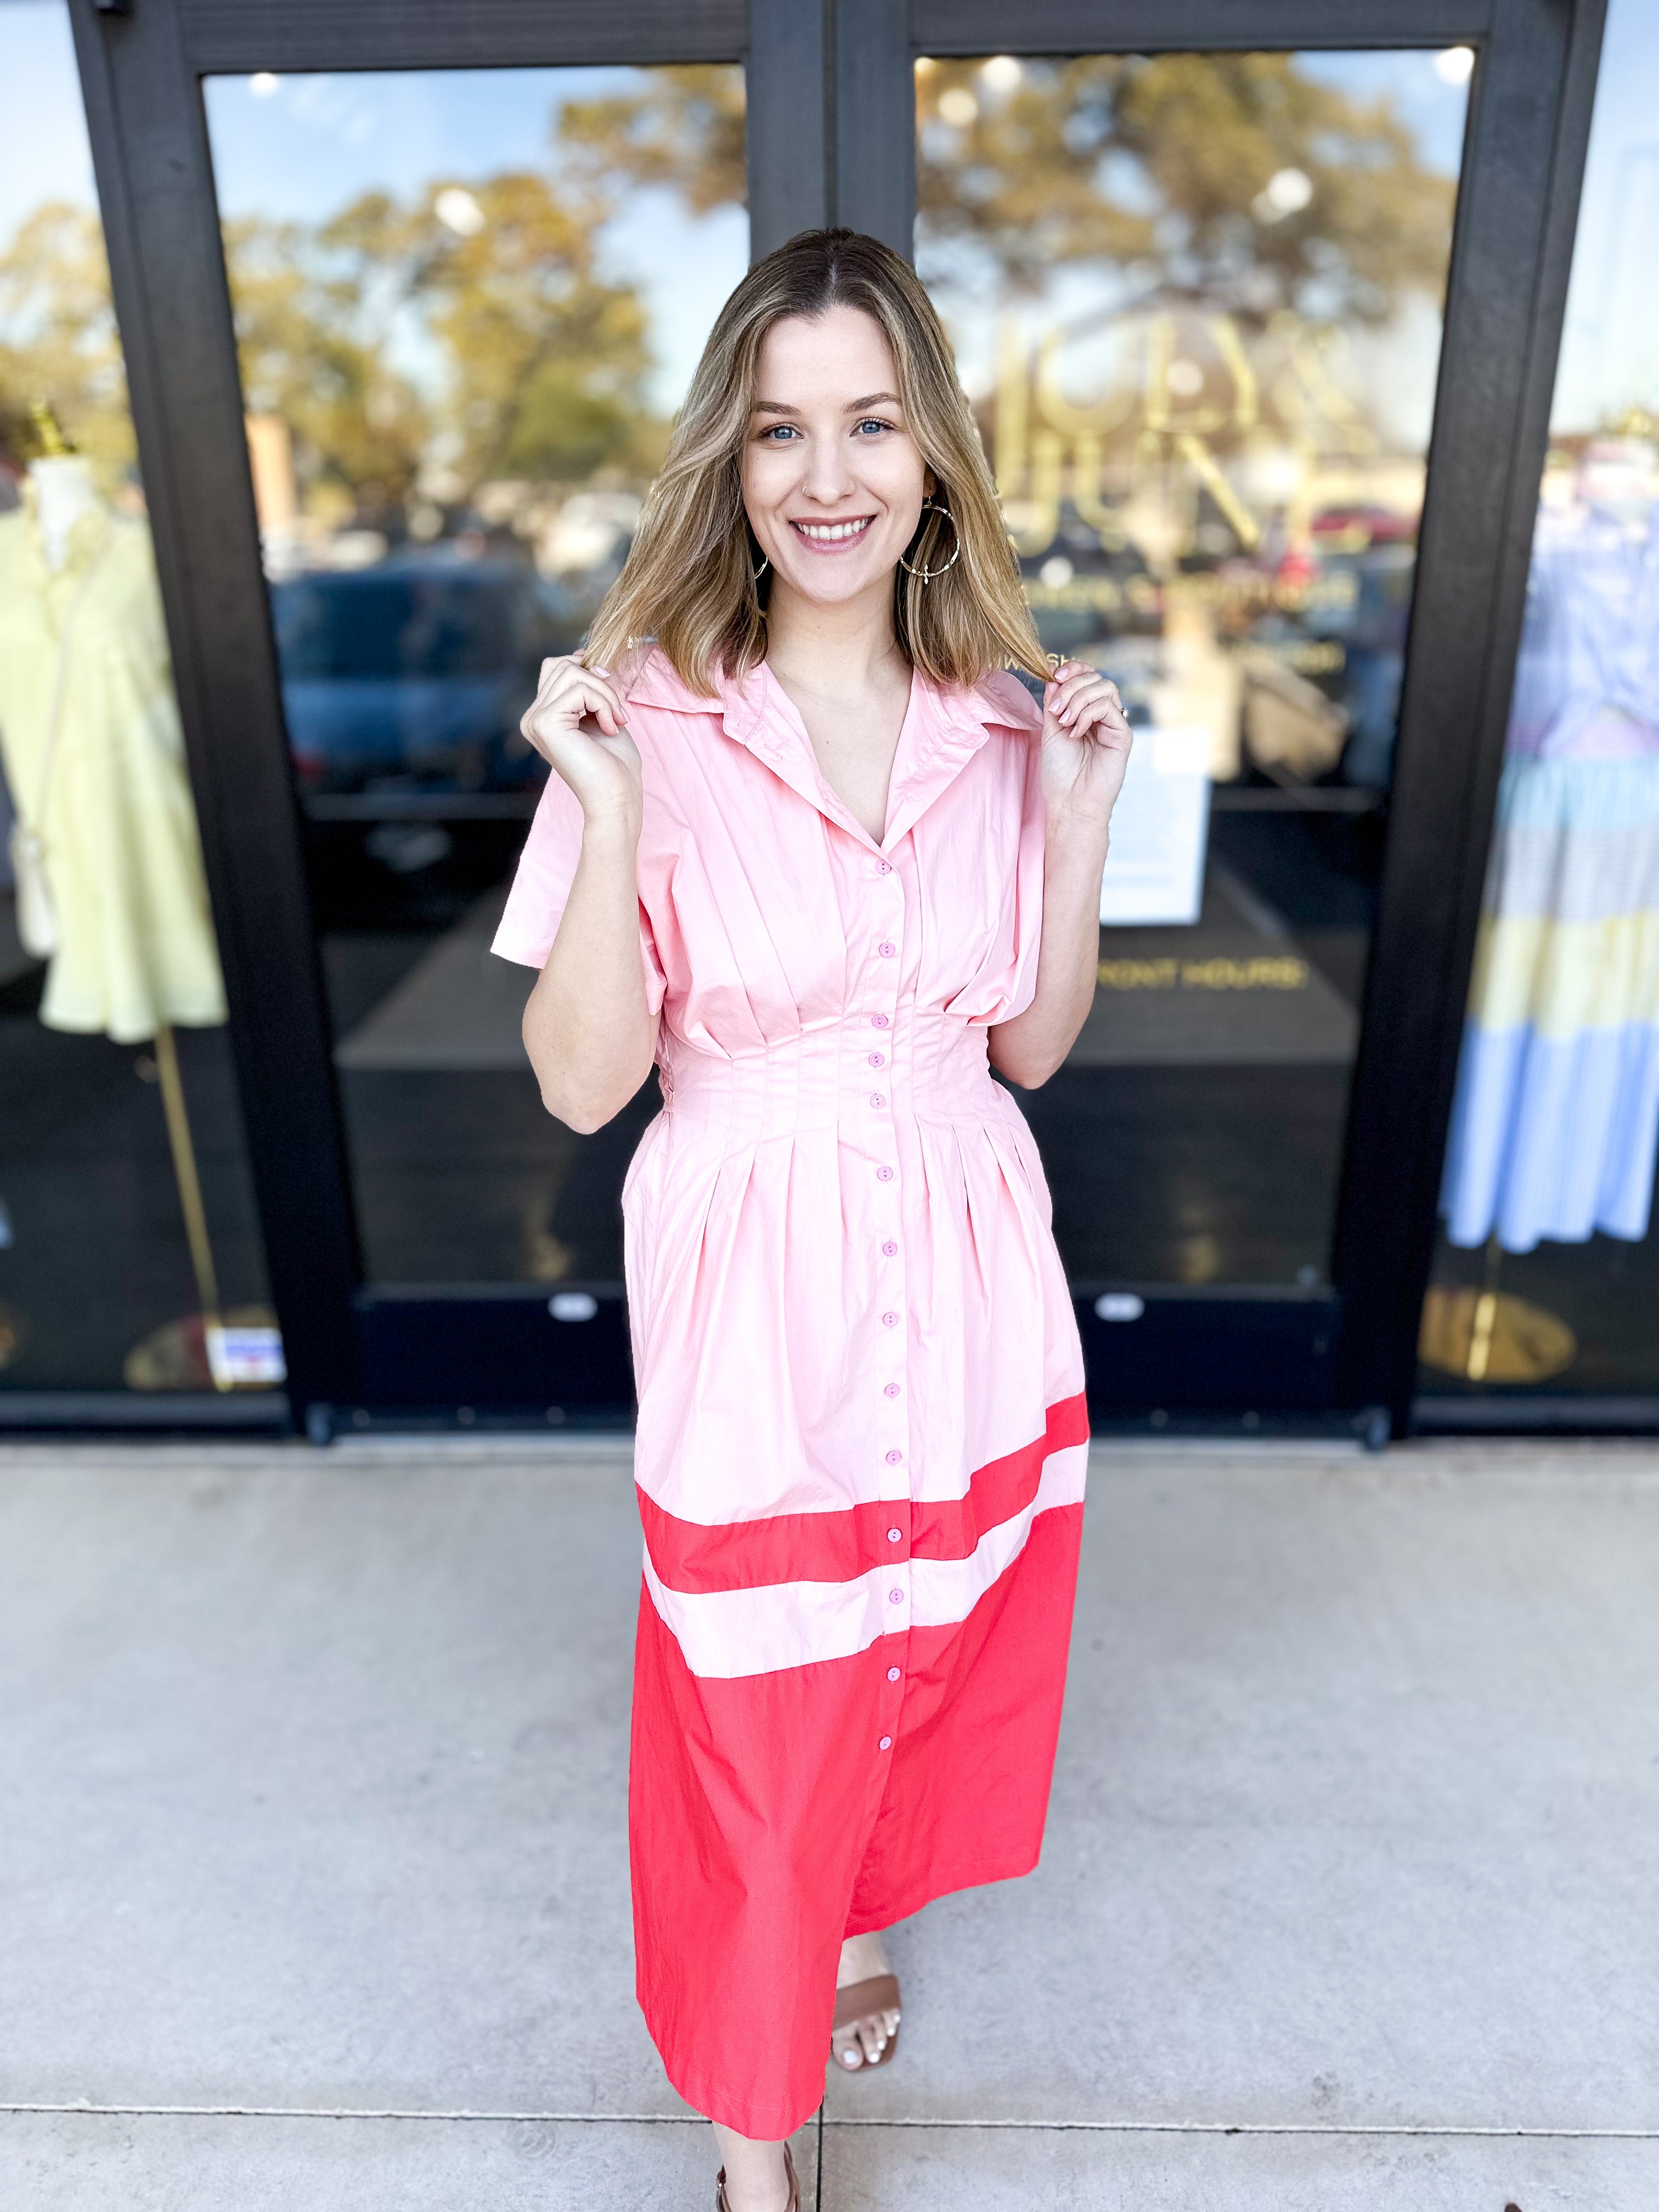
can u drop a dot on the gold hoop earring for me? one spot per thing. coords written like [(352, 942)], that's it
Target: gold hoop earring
[(927, 574)]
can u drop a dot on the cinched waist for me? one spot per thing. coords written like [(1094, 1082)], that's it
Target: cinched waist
[(854, 1081)]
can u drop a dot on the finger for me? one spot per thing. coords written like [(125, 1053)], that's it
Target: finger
[(1071, 674), (570, 672), (595, 696), (1106, 724), (565, 708), (1077, 695)]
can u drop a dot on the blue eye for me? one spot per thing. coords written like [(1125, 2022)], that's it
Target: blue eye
[(873, 423), (777, 433)]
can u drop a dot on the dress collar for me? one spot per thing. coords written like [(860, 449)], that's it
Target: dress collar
[(944, 725)]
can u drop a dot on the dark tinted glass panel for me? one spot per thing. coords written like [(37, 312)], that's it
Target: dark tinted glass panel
[(467, 305), (1196, 302)]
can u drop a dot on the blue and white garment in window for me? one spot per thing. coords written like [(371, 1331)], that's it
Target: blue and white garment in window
[(1556, 1120)]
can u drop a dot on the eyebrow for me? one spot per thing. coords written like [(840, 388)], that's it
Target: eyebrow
[(854, 407)]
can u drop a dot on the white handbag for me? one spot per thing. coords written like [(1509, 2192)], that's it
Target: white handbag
[(37, 930)]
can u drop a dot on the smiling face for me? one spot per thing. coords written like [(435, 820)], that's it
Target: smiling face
[(833, 481)]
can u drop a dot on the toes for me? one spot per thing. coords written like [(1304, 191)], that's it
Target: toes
[(864, 2042)]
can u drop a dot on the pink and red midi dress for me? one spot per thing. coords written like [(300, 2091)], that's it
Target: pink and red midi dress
[(862, 1436)]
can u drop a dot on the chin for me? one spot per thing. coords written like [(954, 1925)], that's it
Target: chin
[(838, 585)]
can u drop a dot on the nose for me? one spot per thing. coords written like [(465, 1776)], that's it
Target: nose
[(827, 477)]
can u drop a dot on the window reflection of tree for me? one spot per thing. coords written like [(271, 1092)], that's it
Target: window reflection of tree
[(416, 349)]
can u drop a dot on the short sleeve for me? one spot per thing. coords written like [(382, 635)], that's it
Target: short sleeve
[(547, 868)]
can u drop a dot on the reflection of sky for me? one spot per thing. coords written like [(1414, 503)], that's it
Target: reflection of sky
[(1610, 348), (402, 131), (1432, 109), (314, 144), (43, 134), (1391, 371), (311, 145)]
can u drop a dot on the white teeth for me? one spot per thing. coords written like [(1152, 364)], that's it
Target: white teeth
[(830, 530)]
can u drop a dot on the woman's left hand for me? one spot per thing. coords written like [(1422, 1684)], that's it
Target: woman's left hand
[(1085, 746)]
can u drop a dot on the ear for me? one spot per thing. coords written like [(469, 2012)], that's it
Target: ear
[(929, 483)]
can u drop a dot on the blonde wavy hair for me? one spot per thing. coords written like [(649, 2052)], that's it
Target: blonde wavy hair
[(689, 581)]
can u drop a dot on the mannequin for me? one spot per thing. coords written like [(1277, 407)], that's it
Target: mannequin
[(1555, 1126), (64, 493), (112, 889)]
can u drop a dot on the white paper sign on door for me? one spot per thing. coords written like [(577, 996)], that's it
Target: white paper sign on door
[(1160, 827)]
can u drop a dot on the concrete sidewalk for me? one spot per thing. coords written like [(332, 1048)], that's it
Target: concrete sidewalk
[(314, 1885)]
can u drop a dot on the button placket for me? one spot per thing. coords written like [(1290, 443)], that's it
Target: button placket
[(889, 1280)]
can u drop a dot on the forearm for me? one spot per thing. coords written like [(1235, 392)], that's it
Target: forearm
[(1030, 1048), (587, 1028)]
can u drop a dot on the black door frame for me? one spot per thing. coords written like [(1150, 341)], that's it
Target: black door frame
[(348, 1345), (831, 138), (1530, 97)]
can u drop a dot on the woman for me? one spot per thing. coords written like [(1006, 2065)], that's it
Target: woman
[(820, 857)]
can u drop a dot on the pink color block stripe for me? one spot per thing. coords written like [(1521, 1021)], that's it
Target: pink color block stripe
[(696, 1558)]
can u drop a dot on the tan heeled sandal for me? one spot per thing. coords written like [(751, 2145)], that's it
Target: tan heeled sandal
[(721, 2204), (858, 2001)]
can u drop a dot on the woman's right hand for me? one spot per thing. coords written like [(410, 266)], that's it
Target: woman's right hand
[(578, 723)]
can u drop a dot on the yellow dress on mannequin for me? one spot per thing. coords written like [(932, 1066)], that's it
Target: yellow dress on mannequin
[(136, 949)]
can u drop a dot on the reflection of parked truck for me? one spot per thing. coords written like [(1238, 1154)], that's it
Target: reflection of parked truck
[(414, 674)]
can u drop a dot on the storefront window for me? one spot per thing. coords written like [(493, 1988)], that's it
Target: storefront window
[(467, 305), (1196, 301), (1548, 1271), (130, 1255)]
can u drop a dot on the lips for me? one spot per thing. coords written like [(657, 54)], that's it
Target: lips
[(833, 537)]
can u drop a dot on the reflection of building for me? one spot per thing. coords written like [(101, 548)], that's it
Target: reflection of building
[(1218, 487), (1188, 405)]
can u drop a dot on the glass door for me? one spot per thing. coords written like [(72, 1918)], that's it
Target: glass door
[(466, 303), (1196, 299), (409, 308), (406, 308)]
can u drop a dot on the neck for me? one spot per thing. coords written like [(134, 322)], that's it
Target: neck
[(844, 648)]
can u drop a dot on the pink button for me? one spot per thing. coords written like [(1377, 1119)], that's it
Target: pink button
[(884, 1175), (878, 1097), (892, 1390), (889, 1247), (891, 1320), (885, 867), (894, 1457), (896, 1597), (892, 1673), (886, 948), (893, 1534), (886, 1743), (878, 1021), (877, 1060)]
